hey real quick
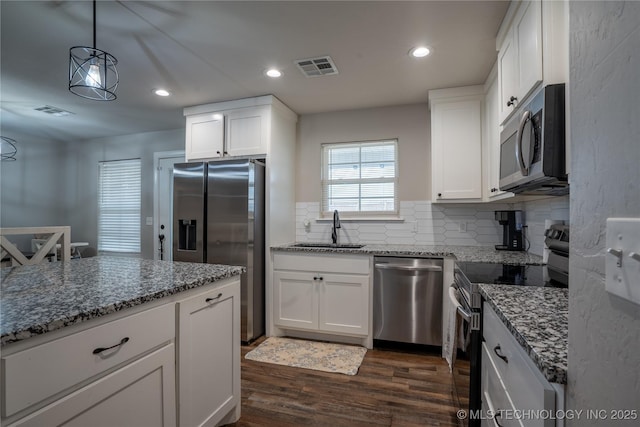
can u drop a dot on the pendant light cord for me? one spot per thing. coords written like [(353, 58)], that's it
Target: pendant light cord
[(94, 24)]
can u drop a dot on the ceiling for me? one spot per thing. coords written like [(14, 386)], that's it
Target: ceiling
[(209, 51)]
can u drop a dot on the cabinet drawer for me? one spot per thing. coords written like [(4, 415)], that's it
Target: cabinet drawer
[(525, 383), (495, 395), (32, 375), (349, 264)]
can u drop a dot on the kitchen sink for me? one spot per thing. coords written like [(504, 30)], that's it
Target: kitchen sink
[(328, 245)]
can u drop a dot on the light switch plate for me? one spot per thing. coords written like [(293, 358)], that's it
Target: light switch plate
[(149, 220), (621, 267)]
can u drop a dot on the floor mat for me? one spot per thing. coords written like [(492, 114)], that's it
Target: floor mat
[(320, 356)]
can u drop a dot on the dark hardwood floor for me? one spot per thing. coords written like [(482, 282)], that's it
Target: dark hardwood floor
[(392, 388)]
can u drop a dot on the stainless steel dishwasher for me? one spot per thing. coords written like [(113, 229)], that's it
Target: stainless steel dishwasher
[(407, 300)]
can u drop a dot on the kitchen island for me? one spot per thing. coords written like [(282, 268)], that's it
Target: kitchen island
[(122, 338)]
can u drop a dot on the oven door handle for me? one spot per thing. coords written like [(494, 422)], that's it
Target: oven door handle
[(465, 314), (524, 169)]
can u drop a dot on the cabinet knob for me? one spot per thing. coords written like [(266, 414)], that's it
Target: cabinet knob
[(439, 194), (493, 190), (225, 153), (511, 101), (218, 153)]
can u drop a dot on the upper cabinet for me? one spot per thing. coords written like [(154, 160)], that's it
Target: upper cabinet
[(520, 56), (456, 144), (233, 128), (491, 141), (533, 48)]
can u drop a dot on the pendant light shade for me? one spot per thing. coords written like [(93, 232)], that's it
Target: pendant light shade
[(92, 72)]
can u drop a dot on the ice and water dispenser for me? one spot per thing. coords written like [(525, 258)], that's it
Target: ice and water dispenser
[(187, 234)]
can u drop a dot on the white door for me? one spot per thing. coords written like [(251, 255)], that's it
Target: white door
[(164, 205)]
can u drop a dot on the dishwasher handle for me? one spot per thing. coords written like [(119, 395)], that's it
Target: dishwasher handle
[(389, 266)]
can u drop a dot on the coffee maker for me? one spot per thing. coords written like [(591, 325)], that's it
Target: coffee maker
[(512, 233)]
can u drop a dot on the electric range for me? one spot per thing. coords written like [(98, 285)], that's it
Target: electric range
[(468, 275)]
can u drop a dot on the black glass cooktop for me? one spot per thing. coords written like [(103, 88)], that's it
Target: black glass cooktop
[(504, 274)]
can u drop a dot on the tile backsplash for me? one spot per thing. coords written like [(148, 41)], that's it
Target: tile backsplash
[(425, 223)]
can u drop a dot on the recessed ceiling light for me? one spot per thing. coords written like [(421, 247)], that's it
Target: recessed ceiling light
[(162, 92), (420, 52), (273, 73)]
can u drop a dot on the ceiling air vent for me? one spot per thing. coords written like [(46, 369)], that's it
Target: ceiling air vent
[(316, 67), (54, 111)]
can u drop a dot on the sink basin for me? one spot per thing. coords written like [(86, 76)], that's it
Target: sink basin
[(328, 245)]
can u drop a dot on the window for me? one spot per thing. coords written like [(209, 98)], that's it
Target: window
[(119, 206), (360, 178)]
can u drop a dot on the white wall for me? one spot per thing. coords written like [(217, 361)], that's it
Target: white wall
[(32, 191), (408, 123), (604, 330), (82, 179)]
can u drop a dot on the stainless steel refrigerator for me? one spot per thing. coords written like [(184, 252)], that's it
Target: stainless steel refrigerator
[(218, 218)]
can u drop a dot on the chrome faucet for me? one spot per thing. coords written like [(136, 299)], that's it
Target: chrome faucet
[(336, 225)]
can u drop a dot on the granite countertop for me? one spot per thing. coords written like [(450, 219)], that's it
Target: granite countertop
[(41, 298), (538, 318), (460, 253)]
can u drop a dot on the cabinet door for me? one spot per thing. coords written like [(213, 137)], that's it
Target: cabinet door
[(527, 33), (247, 131), (140, 394), (456, 150), (507, 87), (295, 299), (344, 304), (209, 356), (492, 142), (204, 136)]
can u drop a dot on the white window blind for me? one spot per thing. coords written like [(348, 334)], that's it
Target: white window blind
[(119, 186), (360, 178)]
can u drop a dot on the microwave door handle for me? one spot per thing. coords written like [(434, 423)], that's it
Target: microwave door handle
[(519, 158)]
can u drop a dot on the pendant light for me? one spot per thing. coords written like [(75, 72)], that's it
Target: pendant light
[(92, 72)]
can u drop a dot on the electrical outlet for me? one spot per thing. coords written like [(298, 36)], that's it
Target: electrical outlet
[(622, 266)]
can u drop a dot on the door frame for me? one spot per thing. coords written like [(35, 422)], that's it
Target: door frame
[(156, 201)]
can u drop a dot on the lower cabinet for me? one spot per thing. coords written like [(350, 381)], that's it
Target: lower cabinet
[(140, 394), (322, 293), (511, 383), (208, 356), (322, 302)]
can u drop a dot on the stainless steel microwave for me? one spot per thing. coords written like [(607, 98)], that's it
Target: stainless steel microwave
[(532, 145)]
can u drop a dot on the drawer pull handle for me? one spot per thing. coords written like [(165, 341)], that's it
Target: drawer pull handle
[(497, 416), (501, 356), (101, 349), (213, 299)]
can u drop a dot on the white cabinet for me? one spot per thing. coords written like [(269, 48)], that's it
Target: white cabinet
[(322, 293), (204, 136), (209, 356), (456, 144), (241, 132), (520, 56), (510, 380), (491, 142), (141, 393), (533, 45), (121, 369)]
